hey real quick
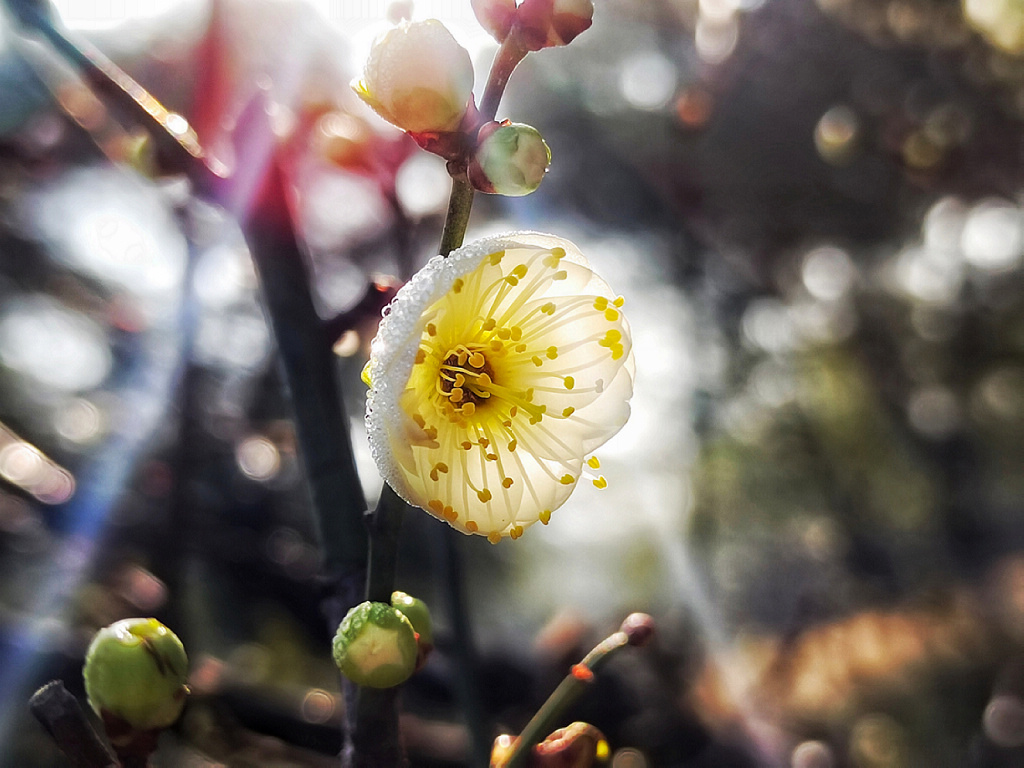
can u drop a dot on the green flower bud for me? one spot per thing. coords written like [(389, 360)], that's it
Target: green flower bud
[(416, 611), (375, 646), (511, 159), (136, 670)]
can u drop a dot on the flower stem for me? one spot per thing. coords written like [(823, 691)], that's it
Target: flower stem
[(505, 61), (460, 203)]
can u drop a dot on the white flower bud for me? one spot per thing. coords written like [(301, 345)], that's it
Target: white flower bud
[(511, 160), (418, 78)]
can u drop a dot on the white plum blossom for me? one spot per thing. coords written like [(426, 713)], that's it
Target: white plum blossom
[(495, 374)]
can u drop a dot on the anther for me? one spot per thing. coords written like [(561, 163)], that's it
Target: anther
[(484, 495)]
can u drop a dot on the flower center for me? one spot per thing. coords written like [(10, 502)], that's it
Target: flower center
[(465, 377)]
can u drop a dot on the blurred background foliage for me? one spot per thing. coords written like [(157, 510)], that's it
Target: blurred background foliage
[(814, 212)]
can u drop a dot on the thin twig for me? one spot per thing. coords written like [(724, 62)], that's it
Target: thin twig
[(635, 630)]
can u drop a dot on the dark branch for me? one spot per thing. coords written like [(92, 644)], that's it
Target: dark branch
[(63, 718)]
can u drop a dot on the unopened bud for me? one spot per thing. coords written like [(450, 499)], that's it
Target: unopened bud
[(510, 160), (496, 16), (548, 23), (418, 614), (579, 745), (418, 78), (135, 670), (375, 646), (638, 628)]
